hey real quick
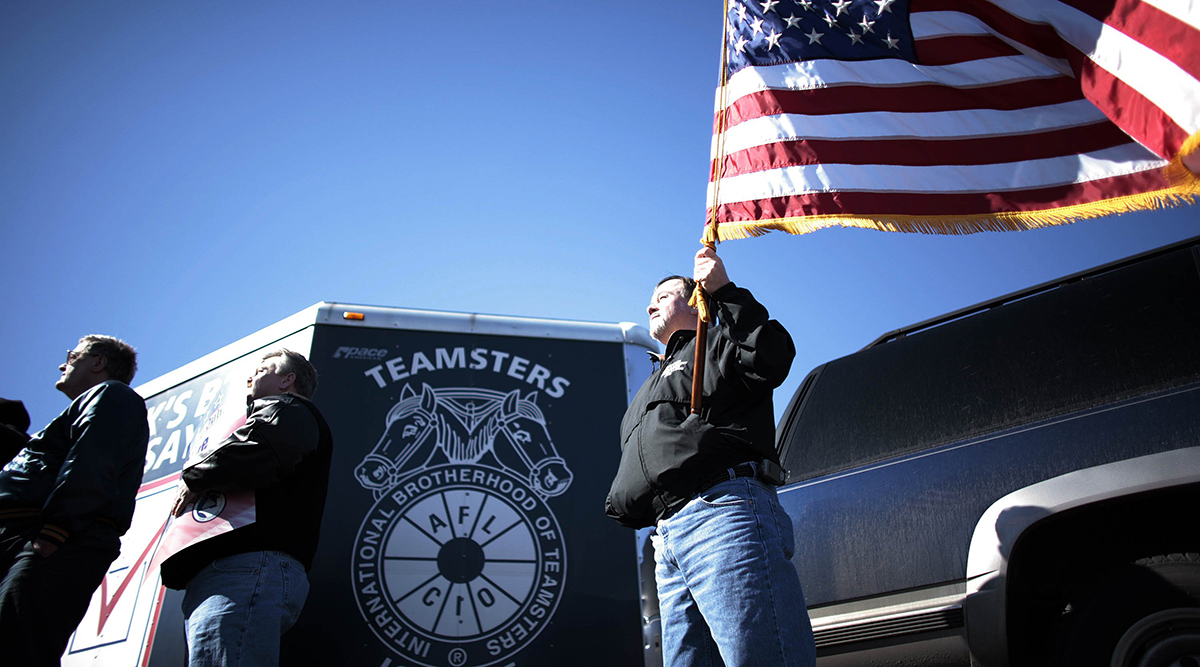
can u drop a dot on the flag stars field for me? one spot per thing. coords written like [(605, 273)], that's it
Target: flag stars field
[(769, 32)]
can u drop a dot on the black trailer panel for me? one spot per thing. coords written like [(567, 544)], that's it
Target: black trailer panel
[(463, 525)]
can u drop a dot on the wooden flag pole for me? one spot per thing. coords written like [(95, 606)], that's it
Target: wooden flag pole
[(698, 363)]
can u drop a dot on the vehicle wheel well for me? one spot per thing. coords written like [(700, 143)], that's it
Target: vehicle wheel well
[(1061, 560)]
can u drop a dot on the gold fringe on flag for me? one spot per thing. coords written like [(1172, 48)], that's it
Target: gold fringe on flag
[(1185, 187)]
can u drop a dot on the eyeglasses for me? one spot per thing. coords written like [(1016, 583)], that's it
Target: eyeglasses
[(73, 356)]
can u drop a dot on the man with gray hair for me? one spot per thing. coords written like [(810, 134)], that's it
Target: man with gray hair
[(67, 498), (246, 587)]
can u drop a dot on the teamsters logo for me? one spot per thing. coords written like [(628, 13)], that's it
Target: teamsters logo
[(460, 561)]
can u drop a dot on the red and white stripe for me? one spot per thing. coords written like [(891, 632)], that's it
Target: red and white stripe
[(1018, 106)]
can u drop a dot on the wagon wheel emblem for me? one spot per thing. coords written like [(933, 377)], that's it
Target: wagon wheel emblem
[(463, 566), (469, 563)]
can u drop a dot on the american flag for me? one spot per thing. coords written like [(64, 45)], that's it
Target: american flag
[(951, 116)]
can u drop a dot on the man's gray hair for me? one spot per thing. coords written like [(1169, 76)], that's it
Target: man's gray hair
[(121, 358), (689, 284), (294, 362), (686, 288)]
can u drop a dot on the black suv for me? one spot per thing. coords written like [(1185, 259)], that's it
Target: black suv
[(1015, 483)]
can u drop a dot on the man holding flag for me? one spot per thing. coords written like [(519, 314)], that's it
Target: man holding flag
[(927, 116), (727, 590)]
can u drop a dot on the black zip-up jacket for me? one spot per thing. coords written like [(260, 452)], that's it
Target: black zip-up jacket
[(667, 454), (79, 476), (282, 452)]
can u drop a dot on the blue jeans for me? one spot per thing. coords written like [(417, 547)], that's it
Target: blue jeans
[(727, 590), (235, 609)]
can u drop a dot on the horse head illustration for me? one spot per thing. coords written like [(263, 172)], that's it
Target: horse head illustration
[(464, 425), (523, 445), (407, 437)]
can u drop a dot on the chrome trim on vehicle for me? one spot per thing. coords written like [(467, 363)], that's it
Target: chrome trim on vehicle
[(896, 626), (888, 617)]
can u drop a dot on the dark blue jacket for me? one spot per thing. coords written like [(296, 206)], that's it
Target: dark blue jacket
[(83, 470)]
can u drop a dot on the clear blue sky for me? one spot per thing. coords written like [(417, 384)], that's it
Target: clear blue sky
[(181, 174)]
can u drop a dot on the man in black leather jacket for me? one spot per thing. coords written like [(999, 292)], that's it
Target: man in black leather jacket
[(246, 587), (66, 499), (706, 482)]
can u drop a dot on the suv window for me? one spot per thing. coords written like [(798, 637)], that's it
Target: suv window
[(1118, 334)]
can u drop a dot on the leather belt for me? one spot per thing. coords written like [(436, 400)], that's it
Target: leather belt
[(739, 470)]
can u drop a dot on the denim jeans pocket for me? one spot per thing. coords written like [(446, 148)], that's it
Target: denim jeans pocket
[(295, 589), (725, 494), (238, 563)]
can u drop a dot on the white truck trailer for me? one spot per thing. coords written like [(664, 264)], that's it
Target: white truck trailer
[(476, 550)]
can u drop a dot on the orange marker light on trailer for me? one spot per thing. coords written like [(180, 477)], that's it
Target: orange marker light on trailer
[(353, 316)]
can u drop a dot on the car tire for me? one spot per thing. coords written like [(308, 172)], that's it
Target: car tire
[(1147, 614)]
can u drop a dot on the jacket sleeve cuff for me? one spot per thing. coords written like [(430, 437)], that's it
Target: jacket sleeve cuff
[(53, 534), (727, 290)]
